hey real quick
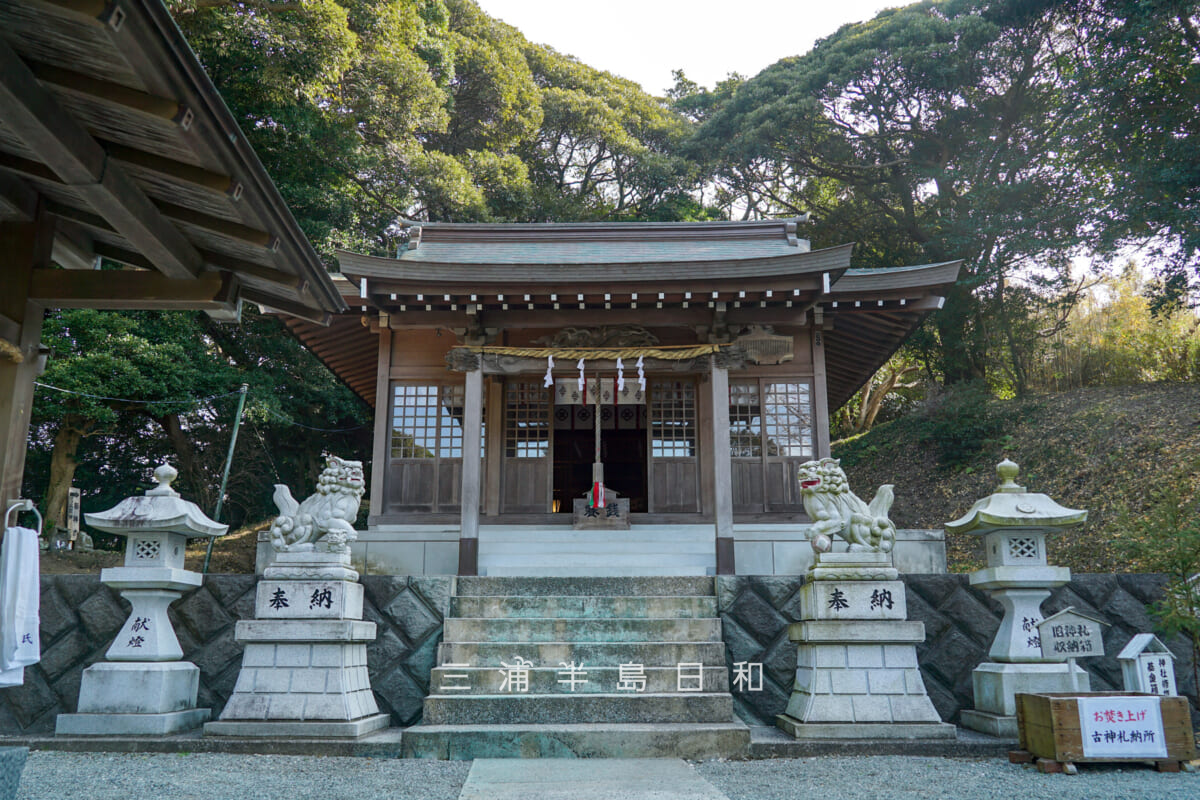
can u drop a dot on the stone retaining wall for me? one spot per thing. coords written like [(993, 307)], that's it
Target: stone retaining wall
[(960, 623), (80, 616)]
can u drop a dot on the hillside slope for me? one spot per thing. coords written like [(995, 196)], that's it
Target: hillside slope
[(1097, 448)]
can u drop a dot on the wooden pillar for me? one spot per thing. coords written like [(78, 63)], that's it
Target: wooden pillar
[(468, 537), (722, 486), (495, 446), (381, 452), (820, 394), (23, 246)]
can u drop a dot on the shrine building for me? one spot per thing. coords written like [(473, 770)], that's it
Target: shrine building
[(712, 352)]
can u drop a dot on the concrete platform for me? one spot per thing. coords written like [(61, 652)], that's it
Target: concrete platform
[(643, 778), (300, 729), (763, 742), (865, 730), (590, 740), (98, 724)]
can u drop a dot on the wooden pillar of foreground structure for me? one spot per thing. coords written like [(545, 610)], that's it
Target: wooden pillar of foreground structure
[(24, 246)]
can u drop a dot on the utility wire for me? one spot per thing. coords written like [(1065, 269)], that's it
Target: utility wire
[(311, 428), (142, 402)]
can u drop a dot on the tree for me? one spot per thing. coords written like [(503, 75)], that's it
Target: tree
[(932, 132), (99, 361)]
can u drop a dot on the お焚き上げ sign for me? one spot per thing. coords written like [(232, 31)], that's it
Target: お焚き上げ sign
[(1122, 727)]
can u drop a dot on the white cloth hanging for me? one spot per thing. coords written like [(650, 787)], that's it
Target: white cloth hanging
[(20, 645), (620, 376), (641, 376), (582, 392), (549, 372)]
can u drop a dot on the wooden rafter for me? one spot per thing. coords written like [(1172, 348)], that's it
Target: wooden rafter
[(77, 159)]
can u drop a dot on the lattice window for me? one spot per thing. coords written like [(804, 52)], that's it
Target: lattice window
[(427, 421), (526, 420), (787, 419), (1025, 548), (147, 549), (745, 421), (672, 419)]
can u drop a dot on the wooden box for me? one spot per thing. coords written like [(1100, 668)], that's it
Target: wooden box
[(1048, 725)]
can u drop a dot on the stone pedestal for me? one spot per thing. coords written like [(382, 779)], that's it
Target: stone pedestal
[(136, 698), (856, 660), (304, 667), (997, 685)]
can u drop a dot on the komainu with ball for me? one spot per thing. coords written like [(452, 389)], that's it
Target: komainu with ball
[(835, 510), (325, 520)]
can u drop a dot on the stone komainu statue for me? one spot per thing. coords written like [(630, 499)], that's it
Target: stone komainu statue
[(834, 509), (325, 520)]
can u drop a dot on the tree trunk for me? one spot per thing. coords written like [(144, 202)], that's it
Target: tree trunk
[(62, 469)]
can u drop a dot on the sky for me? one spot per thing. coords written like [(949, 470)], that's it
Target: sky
[(644, 40)]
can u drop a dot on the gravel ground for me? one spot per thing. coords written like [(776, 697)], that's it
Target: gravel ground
[(216, 776), (915, 778), (205, 776)]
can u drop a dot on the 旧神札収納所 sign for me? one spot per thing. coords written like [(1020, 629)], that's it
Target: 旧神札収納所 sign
[(1121, 727)]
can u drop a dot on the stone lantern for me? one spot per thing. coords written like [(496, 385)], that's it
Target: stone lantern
[(144, 688), (1014, 524)]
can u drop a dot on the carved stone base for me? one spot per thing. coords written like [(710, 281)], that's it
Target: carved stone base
[(856, 665), (866, 566), (311, 566)]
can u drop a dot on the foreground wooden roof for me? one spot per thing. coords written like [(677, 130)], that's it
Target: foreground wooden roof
[(110, 126), (560, 275)]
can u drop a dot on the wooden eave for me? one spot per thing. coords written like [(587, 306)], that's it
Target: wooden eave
[(597, 272), (863, 315), (109, 124)]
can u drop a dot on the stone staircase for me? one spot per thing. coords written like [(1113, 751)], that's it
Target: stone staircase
[(593, 625)]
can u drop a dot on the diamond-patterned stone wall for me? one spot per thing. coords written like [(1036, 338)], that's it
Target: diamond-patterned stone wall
[(80, 616), (960, 623)]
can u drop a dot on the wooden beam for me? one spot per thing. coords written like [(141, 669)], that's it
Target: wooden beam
[(220, 261), (319, 316), (222, 227), (17, 199), (176, 170), (133, 290), (143, 102), (72, 247), (66, 147)]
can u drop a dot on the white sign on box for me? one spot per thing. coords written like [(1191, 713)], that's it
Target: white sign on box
[(1121, 727)]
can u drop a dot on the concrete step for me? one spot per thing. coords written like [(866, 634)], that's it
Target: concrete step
[(502, 556), (516, 709), (634, 586), (638, 534), (601, 654), (531, 630), (596, 571), (582, 606), (605, 546), (591, 740), (548, 680)]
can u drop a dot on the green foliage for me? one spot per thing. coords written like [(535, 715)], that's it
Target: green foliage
[(1165, 537), (961, 423), (1114, 338)]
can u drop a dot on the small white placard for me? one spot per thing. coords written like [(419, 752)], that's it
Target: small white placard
[(1068, 634), (1121, 727)]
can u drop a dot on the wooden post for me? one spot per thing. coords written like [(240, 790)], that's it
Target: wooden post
[(381, 452), (23, 247), (722, 486), (495, 446), (468, 537), (820, 394)]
